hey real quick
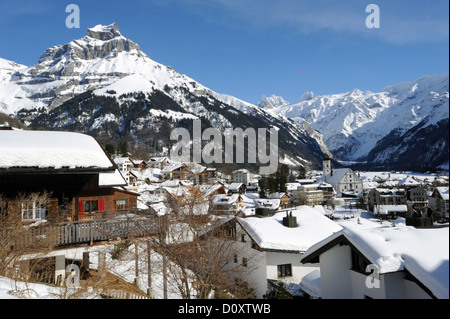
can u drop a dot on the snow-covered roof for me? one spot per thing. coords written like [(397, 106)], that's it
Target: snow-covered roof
[(292, 186), (242, 170), (121, 159), (170, 168), (270, 233), (277, 195), (234, 186), (443, 191), (222, 199), (51, 150), (207, 190), (305, 181), (408, 181), (385, 209), (336, 177), (423, 252), (111, 179), (271, 203)]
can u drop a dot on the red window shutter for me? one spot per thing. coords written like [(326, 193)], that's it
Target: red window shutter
[(101, 205), (81, 207)]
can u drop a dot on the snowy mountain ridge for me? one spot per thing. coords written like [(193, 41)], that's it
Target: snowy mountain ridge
[(104, 85), (352, 123)]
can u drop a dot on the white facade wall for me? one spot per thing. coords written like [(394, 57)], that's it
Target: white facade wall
[(339, 281), (262, 265), (241, 176), (299, 270), (334, 273), (350, 181)]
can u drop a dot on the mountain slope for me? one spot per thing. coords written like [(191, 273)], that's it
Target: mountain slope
[(354, 123), (104, 85)]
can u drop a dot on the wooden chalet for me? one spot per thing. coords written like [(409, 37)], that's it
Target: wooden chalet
[(284, 198), (72, 168), (178, 171)]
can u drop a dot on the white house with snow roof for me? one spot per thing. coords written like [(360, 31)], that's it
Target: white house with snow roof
[(366, 260), (124, 163), (343, 180), (226, 204), (440, 196), (273, 246)]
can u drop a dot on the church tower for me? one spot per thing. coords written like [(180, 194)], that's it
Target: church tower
[(326, 165)]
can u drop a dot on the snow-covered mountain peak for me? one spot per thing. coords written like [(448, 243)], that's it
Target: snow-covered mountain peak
[(307, 96), (353, 122), (272, 102), (104, 32)]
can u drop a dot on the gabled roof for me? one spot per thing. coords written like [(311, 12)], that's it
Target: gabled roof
[(336, 177), (223, 199), (408, 181), (270, 234), (22, 151), (122, 159), (170, 168), (111, 179), (443, 192), (272, 203), (277, 195), (235, 186), (208, 190), (424, 253)]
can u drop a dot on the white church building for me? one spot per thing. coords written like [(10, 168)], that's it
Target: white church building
[(343, 180)]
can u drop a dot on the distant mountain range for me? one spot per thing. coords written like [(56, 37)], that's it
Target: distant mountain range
[(403, 126), (105, 86)]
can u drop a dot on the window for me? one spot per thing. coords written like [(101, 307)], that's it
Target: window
[(90, 206), (121, 204), (33, 210), (284, 270), (359, 263)]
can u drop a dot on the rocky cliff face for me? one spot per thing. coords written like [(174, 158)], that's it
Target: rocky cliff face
[(66, 70)]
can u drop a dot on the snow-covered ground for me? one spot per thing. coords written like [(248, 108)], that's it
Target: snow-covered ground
[(123, 267)]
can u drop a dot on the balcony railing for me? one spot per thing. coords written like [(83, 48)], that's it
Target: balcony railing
[(93, 230)]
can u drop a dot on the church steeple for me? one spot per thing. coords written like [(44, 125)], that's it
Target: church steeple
[(326, 165)]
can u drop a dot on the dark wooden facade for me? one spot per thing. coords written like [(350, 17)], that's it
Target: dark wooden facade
[(68, 192)]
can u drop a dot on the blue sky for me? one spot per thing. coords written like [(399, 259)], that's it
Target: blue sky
[(251, 48)]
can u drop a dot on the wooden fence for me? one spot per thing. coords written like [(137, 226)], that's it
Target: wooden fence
[(121, 294)]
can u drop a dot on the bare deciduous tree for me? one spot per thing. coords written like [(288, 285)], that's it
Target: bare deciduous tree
[(25, 237), (201, 251)]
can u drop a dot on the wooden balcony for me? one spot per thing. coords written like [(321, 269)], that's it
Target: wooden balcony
[(88, 231)]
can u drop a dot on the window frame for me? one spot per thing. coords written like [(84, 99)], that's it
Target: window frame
[(34, 210), (90, 202), (121, 207), (284, 270)]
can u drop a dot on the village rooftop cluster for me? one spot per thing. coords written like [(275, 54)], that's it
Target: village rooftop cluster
[(332, 233)]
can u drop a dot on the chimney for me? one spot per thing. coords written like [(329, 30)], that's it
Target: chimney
[(290, 221)]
